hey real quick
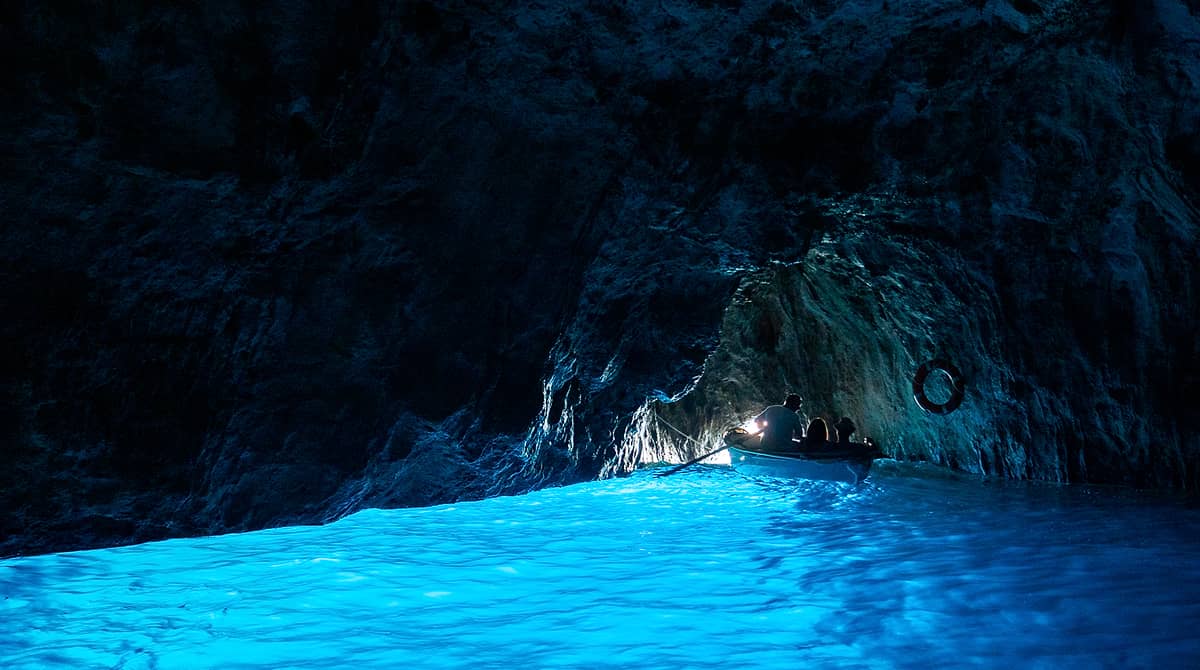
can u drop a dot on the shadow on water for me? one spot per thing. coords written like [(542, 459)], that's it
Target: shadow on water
[(917, 552), (932, 501)]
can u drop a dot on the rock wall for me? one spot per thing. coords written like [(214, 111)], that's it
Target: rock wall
[(268, 263), (1042, 235)]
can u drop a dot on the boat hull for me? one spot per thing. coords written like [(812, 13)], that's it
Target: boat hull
[(836, 463), (771, 465)]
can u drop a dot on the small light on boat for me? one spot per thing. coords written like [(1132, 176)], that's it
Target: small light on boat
[(751, 427)]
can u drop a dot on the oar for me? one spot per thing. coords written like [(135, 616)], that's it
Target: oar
[(694, 461)]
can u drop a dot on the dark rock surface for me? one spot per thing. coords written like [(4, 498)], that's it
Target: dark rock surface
[(269, 263)]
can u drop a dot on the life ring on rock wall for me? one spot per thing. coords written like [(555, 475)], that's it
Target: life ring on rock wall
[(956, 387)]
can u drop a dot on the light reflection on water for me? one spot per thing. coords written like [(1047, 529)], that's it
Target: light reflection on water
[(705, 568)]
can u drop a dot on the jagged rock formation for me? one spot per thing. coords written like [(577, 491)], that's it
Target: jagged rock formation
[(269, 264)]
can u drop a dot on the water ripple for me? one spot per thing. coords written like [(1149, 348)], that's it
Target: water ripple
[(701, 569)]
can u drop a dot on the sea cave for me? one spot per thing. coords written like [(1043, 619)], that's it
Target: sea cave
[(268, 264)]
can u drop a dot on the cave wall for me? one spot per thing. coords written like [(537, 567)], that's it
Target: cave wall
[(270, 263), (1042, 237)]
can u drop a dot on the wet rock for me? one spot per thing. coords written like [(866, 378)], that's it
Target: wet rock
[(270, 264)]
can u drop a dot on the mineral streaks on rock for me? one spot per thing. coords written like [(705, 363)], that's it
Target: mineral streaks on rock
[(271, 264)]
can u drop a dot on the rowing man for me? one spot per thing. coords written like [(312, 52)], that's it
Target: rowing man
[(779, 423)]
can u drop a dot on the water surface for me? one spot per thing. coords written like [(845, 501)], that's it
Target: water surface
[(703, 569)]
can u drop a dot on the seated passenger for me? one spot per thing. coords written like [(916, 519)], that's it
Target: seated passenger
[(779, 423), (845, 428), (817, 434)]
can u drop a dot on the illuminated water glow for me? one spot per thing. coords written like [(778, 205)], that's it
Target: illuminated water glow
[(703, 569)]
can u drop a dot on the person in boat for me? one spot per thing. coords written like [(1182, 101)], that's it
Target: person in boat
[(779, 423), (845, 428), (817, 434)]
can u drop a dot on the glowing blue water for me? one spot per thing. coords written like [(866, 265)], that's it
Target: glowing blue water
[(701, 569)]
